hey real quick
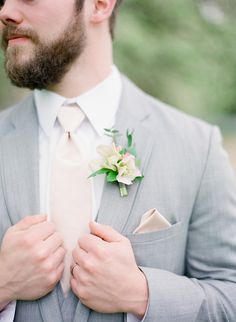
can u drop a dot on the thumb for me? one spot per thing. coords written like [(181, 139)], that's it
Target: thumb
[(107, 233)]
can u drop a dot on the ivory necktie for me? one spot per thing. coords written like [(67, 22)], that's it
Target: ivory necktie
[(70, 197)]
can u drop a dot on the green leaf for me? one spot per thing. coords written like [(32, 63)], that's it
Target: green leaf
[(139, 178), (129, 136), (123, 151), (107, 130), (111, 176), (100, 171), (111, 130), (113, 133), (132, 151)]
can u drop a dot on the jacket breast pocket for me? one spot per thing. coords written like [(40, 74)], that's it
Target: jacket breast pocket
[(163, 249)]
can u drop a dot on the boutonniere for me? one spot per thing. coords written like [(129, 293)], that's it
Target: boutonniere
[(119, 164)]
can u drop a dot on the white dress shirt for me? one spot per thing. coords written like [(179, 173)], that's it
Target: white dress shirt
[(99, 105)]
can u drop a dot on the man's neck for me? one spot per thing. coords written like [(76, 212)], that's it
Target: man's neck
[(91, 68)]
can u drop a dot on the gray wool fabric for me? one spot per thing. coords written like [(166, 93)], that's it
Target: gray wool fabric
[(191, 266), (67, 305)]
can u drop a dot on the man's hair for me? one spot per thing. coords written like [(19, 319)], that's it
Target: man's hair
[(79, 7)]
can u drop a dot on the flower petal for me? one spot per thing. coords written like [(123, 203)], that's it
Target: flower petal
[(105, 150), (124, 179)]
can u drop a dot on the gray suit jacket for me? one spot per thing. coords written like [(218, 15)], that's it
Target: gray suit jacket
[(191, 266)]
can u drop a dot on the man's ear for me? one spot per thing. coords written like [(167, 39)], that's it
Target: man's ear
[(102, 10)]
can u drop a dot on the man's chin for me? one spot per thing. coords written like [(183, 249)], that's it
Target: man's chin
[(19, 49), (17, 58)]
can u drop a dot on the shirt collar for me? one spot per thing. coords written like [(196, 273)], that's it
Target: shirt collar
[(99, 104)]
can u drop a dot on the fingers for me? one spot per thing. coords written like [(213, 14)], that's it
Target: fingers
[(74, 285), (49, 264), (90, 243), (51, 250), (75, 272), (59, 272), (43, 230), (29, 221), (58, 257), (53, 242), (107, 233), (80, 256)]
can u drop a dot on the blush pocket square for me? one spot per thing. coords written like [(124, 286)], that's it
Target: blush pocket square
[(151, 221)]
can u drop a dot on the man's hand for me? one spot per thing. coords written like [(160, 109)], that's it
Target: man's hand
[(106, 277), (31, 259)]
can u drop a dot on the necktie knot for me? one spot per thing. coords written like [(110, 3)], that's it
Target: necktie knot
[(70, 117)]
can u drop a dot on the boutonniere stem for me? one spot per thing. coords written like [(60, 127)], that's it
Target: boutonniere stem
[(123, 190)]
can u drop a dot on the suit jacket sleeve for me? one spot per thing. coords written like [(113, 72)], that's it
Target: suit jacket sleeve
[(207, 291)]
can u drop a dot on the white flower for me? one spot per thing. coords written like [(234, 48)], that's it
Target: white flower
[(110, 156), (117, 163), (127, 170)]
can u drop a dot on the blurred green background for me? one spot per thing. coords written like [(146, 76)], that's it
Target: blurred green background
[(181, 51)]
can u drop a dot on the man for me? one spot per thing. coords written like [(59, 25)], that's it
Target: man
[(180, 264)]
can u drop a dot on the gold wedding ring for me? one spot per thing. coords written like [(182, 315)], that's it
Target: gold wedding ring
[(72, 269)]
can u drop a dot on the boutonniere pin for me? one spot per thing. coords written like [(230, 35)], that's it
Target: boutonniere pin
[(119, 164)]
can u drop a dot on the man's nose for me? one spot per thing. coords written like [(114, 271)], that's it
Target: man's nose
[(10, 14)]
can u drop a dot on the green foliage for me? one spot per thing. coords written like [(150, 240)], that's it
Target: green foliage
[(111, 176), (172, 52), (100, 171)]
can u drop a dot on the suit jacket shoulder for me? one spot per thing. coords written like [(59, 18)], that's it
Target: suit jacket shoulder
[(15, 114), (165, 116), (171, 129)]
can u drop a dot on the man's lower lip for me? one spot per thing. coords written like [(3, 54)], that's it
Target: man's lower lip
[(19, 40)]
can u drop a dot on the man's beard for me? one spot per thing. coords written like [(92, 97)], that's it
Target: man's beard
[(49, 62)]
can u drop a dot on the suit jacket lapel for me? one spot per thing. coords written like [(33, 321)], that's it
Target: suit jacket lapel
[(20, 163), (132, 113), (114, 210), (20, 170), (49, 307)]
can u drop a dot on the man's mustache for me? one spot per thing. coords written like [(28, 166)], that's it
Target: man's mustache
[(11, 32)]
